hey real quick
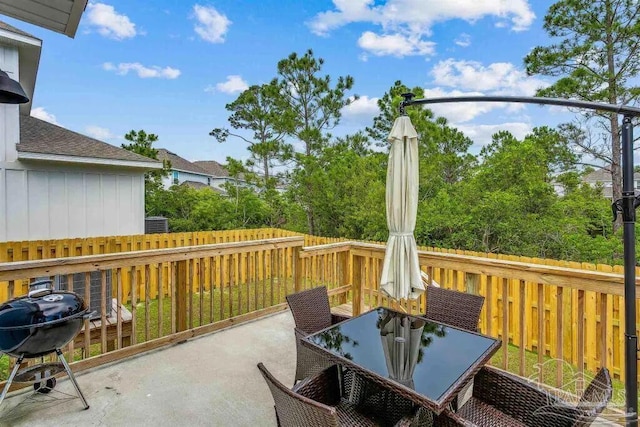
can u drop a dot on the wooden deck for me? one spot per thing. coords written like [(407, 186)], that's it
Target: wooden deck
[(346, 309)]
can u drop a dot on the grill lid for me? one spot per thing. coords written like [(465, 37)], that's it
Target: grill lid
[(42, 305)]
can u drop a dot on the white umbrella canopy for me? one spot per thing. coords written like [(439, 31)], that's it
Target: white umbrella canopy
[(401, 275)]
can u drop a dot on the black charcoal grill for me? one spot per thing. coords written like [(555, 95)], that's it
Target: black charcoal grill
[(37, 324)]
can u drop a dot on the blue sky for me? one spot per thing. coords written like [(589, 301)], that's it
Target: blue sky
[(169, 67)]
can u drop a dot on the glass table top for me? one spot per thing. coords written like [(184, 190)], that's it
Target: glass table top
[(423, 355)]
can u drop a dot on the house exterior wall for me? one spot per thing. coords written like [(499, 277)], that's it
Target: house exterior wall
[(9, 114), (168, 181), (604, 178), (48, 201)]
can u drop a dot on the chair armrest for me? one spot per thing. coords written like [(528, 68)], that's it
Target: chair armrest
[(421, 417), (519, 399), (337, 318), (299, 333), (406, 421), (324, 387), (449, 418)]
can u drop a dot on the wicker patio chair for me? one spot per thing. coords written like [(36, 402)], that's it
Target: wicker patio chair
[(454, 308), (317, 401), (500, 399), (311, 313)]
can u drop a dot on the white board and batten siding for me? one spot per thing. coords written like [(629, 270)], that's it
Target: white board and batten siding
[(53, 202)]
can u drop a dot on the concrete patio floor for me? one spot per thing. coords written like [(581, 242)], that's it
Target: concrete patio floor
[(207, 381)]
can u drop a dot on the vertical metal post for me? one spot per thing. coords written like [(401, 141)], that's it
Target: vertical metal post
[(629, 218)]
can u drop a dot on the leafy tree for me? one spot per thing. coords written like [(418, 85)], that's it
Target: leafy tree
[(443, 150), (260, 110), (315, 108), (142, 143), (595, 59), (389, 106)]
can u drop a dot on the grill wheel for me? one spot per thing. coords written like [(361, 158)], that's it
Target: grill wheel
[(45, 386)]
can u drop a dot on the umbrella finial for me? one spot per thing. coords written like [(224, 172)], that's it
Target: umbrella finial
[(407, 100)]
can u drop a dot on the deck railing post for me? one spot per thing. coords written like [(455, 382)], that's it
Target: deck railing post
[(181, 284), (297, 268), (356, 283), (472, 282), (344, 273)]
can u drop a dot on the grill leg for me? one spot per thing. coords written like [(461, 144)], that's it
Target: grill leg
[(10, 380), (72, 378)]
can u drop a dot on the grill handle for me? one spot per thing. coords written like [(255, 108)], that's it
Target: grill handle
[(40, 287)]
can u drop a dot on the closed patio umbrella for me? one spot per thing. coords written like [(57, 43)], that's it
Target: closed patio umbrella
[(401, 276)]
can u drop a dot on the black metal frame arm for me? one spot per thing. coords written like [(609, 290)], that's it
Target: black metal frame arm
[(626, 206)]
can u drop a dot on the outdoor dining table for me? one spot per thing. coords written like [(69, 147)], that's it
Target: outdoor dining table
[(429, 364)]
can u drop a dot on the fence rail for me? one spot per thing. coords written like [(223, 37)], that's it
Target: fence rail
[(178, 286)]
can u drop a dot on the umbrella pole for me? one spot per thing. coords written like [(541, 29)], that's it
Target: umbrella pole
[(629, 217)]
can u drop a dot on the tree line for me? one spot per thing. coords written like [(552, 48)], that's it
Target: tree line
[(517, 196)]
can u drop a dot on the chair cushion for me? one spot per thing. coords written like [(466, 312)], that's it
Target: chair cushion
[(483, 414)]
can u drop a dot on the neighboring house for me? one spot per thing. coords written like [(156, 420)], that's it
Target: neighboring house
[(198, 174), (603, 177), (55, 183), (182, 171), (219, 175)]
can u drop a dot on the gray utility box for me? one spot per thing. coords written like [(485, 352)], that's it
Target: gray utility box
[(95, 288)]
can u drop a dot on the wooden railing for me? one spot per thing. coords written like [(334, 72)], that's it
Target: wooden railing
[(543, 312), (558, 313), (173, 294)]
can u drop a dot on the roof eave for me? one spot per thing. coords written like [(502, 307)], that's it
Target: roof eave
[(59, 158), (193, 172), (74, 17), (31, 11)]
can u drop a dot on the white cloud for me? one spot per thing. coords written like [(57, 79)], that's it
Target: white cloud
[(452, 78), (395, 44), (143, 72), (362, 108), (481, 134), (463, 40), (404, 24), (98, 132), (418, 16), (233, 84), (459, 112), (110, 23), (499, 78), (42, 114), (212, 26)]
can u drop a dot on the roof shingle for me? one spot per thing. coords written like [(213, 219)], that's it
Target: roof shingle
[(212, 167), (179, 163), (38, 136)]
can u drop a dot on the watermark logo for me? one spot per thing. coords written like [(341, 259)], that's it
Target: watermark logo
[(581, 396)]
